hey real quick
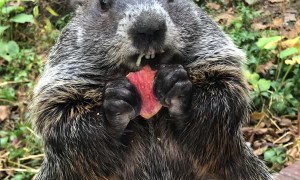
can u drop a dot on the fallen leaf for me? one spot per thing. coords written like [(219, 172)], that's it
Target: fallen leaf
[(247, 130), (276, 1), (259, 143), (251, 2), (4, 113), (262, 125), (264, 68), (290, 42), (294, 32), (294, 152), (277, 22), (214, 6), (226, 18), (258, 115), (261, 131), (270, 138), (259, 26), (260, 151), (226, 2), (283, 139), (290, 16), (285, 122)]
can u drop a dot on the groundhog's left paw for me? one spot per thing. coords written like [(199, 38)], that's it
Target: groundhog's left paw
[(173, 88)]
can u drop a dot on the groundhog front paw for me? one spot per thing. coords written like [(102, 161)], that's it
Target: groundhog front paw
[(173, 89), (121, 104)]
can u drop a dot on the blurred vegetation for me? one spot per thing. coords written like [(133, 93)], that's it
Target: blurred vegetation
[(28, 28)]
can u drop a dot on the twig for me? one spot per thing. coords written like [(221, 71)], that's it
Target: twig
[(288, 144), (282, 137), (12, 82), (7, 101), (19, 165), (298, 121), (32, 157), (20, 170), (32, 132), (275, 124), (261, 119)]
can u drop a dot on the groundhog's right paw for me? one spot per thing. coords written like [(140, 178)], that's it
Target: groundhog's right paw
[(121, 103)]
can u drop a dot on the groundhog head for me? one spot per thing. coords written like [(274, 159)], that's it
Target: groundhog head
[(132, 33)]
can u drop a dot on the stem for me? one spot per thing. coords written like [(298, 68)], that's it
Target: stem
[(7, 101), (287, 72), (279, 69), (298, 121), (12, 82), (260, 55)]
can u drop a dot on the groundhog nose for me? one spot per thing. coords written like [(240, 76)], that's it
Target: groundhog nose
[(149, 30)]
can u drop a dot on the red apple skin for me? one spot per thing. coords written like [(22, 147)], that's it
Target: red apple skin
[(143, 80)]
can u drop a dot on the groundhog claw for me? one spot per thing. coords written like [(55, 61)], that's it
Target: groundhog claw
[(173, 88), (121, 103)]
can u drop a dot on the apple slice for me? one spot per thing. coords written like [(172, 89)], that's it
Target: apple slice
[(143, 80)]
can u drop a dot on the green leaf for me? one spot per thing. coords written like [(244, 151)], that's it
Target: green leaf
[(2, 2), (264, 85), (265, 94), (252, 77), (269, 154), (16, 153), (51, 11), (288, 52), (297, 59), (3, 133), (22, 18), (273, 159), (7, 93), (18, 177), (9, 51), (268, 43), (279, 107), (280, 159), (3, 141), (3, 28), (278, 151), (36, 11), (10, 9)]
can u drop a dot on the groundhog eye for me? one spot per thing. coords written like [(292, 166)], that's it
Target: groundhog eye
[(104, 4)]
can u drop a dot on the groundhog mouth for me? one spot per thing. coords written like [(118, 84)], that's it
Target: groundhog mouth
[(153, 59), (149, 55)]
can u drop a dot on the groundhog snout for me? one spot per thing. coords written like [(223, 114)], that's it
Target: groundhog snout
[(148, 31)]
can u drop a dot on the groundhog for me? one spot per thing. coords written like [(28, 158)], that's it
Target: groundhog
[(87, 112)]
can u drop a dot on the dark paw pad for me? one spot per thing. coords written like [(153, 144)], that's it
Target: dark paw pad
[(121, 103), (173, 88)]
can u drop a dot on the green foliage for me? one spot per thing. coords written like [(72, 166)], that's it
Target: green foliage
[(12, 14), (25, 63), (8, 94), (276, 89), (27, 30), (9, 50), (20, 59), (281, 99), (243, 35), (275, 156), (21, 142)]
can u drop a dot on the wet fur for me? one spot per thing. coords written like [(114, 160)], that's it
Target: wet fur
[(203, 141)]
